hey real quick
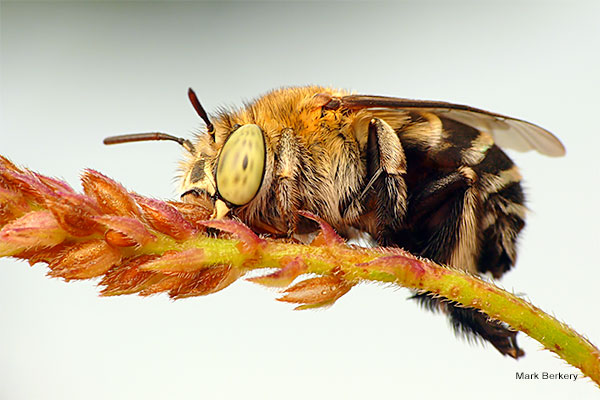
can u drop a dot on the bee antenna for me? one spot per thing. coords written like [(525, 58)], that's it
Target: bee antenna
[(201, 112), (144, 137)]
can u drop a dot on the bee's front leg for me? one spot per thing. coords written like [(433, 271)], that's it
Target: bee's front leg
[(287, 165), (386, 167)]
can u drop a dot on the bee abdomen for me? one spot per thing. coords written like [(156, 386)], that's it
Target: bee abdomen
[(466, 209), (502, 214)]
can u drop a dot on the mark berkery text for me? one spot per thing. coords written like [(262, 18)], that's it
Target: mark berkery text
[(546, 375)]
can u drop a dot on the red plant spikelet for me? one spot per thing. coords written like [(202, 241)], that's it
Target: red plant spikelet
[(118, 239), (36, 229), (199, 283), (85, 260), (74, 212), (53, 184), (250, 242), (111, 197), (283, 277), (317, 292), (128, 278), (195, 214), (130, 228), (12, 205), (174, 262), (327, 235), (7, 165), (165, 218), (27, 184), (45, 255)]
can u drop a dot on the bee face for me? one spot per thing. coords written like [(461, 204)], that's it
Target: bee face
[(427, 176), (232, 173), (198, 183)]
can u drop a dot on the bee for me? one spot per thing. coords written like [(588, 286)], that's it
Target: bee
[(427, 176)]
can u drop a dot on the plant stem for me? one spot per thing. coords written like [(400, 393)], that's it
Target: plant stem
[(398, 267)]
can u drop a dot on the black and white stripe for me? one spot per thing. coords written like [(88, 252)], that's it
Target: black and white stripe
[(465, 208)]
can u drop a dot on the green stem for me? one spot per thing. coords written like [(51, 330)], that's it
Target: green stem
[(391, 265)]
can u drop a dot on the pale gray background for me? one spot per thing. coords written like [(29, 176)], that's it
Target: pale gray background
[(75, 73)]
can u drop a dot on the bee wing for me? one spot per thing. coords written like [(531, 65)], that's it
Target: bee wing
[(507, 131)]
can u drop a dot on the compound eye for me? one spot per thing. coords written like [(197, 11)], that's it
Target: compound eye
[(241, 165)]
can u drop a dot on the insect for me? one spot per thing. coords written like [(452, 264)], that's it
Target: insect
[(427, 176)]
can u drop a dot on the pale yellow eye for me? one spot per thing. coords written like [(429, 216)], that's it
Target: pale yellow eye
[(241, 165)]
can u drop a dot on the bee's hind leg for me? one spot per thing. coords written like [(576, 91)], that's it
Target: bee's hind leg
[(439, 226), (386, 167)]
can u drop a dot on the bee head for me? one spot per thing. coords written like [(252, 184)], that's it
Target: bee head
[(219, 176), (234, 176)]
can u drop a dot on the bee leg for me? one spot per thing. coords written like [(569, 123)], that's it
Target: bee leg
[(469, 321), (503, 219), (441, 224), (386, 166), (287, 164)]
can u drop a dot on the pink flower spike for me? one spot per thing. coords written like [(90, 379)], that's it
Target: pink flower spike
[(190, 260), (328, 236), (130, 227), (250, 240), (34, 229), (165, 218)]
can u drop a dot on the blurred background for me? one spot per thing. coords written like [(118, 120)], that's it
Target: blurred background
[(74, 73)]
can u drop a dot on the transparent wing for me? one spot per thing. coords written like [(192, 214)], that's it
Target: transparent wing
[(508, 132)]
